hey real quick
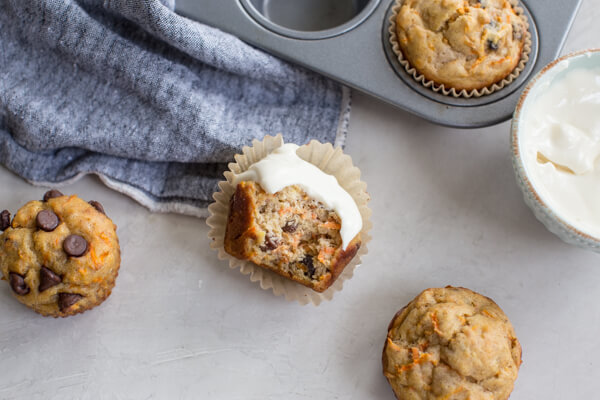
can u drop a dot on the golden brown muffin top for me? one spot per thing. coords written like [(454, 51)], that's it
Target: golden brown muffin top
[(61, 256), (451, 343), (463, 44)]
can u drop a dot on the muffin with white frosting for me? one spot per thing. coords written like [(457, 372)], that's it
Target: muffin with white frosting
[(299, 234), (292, 218)]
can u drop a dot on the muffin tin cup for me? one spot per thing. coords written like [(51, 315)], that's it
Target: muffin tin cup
[(330, 160), (441, 88), (309, 19)]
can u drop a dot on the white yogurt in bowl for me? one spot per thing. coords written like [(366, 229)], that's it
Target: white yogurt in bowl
[(556, 147)]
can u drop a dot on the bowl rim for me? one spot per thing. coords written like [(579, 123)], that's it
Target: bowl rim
[(516, 150)]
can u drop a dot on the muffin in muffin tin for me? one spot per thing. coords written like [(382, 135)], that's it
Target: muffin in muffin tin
[(466, 47)]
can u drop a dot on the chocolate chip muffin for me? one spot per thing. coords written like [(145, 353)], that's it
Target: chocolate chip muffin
[(451, 343), (462, 44), (60, 256), (288, 233)]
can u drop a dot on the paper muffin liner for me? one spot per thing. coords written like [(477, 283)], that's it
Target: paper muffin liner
[(331, 161), (441, 88)]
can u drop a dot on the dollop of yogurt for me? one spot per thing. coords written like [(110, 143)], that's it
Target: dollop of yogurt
[(561, 147), (283, 167)]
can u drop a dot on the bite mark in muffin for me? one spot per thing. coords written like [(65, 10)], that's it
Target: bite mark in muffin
[(289, 233)]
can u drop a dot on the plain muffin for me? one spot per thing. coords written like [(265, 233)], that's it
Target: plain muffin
[(451, 343)]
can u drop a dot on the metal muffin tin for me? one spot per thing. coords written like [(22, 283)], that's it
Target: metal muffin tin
[(347, 40)]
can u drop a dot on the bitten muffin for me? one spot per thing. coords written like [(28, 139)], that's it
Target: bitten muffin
[(60, 256), (288, 233), (451, 343), (462, 44)]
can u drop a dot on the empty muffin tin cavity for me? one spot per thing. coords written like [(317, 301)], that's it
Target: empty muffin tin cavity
[(309, 19)]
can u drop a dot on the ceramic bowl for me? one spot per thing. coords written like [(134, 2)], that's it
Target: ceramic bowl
[(535, 88)]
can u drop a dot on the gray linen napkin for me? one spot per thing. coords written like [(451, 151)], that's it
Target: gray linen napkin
[(151, 102)]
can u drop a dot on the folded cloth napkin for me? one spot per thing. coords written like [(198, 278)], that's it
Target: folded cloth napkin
[(153, 103)]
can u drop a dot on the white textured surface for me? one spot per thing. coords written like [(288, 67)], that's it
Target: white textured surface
[(181, 325)]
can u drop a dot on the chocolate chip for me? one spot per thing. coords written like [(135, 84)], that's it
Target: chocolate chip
[(290, 226), (4, 220), (46, 220), (50, 194), (271, 242), (97, 206), (66, 300), (310, 267), (492, 45), (75, 246), (48, 279), (17, 283)]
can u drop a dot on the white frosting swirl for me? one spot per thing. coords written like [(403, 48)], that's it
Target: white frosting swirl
[(283, 167)]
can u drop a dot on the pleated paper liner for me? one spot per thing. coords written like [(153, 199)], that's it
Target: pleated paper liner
[(330, 160), (441, 88)]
